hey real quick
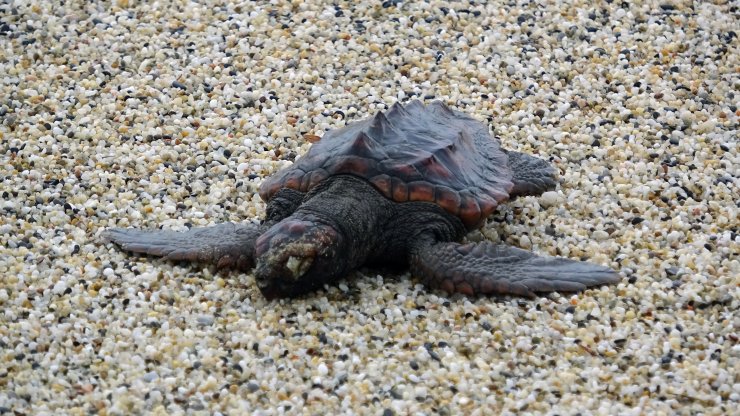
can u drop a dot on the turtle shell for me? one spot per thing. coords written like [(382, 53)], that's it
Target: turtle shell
[(411, 153)]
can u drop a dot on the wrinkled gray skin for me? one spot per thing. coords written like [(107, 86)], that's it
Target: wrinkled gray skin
[(311, 239)]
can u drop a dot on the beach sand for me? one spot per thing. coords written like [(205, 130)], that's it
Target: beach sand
[(148, 114)]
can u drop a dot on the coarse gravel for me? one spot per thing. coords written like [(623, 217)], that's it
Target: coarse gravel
[(170, 113)]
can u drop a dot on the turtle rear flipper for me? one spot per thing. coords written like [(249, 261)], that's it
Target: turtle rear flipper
[(531, 175), (485, 268), (226, 245)]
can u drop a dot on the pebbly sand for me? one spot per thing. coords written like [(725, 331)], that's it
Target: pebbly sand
[(139, 114)]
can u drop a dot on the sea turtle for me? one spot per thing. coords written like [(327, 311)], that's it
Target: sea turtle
[(399, 188)]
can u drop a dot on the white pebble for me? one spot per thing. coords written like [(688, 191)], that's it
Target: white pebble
[(550, 199), (525, 242), (600, 235)]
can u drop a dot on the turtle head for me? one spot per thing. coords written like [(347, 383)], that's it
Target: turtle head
[(296, 256)]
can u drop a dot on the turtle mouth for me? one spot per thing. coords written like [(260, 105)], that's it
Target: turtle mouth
[(288, 262), (284, 274), (291, 255), (276, 288), (298, 266)]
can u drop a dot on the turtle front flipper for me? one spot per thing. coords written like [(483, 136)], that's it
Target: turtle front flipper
[(226, 245), (485, 269)]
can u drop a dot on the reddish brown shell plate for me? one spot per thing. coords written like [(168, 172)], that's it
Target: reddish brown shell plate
[(411, 153)]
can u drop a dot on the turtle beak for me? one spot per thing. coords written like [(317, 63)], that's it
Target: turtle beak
[(285, 260), (283, 274), (298, 266), (286, 254)]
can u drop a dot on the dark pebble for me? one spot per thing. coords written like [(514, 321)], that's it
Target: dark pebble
[(540, 113), (252, 386), (725, 179), (637, 220), (388, 412), (179, 85), (342, 379), (26, 244), (485, 325), (395, 394), (672, 271), (673, 141), (414, 365)]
